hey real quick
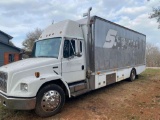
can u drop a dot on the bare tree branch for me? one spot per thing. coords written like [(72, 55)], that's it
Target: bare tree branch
[(152, 55), (30, 38), (155, 14)]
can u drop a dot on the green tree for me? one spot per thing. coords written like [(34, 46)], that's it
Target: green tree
[(30, 38)]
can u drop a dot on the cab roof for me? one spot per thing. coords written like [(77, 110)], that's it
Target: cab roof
[(67, 28)]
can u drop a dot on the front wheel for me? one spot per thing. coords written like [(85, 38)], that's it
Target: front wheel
[(50, 100)]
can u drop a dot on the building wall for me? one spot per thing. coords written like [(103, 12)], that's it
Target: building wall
[(6, 49), (4, 38)]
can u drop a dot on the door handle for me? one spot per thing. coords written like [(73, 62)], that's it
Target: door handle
[(82, 67)]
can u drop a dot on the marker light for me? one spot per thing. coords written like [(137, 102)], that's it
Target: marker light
[(37, 74), (98, 73)]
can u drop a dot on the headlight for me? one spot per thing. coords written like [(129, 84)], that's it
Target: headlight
[(24, 86)]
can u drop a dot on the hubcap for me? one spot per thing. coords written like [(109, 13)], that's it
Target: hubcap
[(50, 100)]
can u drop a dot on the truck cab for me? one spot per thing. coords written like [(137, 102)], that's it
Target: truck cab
[(65, 42), (42, 81)]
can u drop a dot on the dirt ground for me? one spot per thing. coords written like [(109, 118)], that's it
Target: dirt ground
[(137, 100)]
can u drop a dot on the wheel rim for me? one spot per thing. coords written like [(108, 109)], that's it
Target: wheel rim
[(50, 101), (133, 75)]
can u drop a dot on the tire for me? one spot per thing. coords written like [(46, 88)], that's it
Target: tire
[(50, 100), (132, 75)]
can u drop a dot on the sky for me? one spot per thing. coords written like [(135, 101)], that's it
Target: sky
[(18, 17)]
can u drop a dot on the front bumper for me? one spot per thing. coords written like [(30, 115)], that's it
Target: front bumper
[(17, 103)]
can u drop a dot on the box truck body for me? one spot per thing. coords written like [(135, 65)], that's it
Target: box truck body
[(114, 50), (69, 59)]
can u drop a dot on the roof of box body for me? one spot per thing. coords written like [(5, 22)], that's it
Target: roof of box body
[(67, 28), (84, 21)]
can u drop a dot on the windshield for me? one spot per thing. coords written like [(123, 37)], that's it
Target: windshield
[(47, 48)]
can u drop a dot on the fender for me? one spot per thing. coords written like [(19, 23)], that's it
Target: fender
[(34, 84), (62, 80), (66, 85)]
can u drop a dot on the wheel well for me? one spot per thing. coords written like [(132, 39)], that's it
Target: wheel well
[(57, 82)]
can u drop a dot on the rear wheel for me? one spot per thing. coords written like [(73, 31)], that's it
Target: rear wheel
[(132, 75), (50, 100)]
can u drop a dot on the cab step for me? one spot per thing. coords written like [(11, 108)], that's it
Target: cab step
[(78, 88), (79, 92)]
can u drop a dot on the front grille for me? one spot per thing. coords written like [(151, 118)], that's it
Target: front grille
[(3, 84)]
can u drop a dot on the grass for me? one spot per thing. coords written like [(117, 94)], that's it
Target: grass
[(14, 114), (4, 113), (149, 73)]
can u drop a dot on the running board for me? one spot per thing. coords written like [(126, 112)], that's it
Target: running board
[(80, 92), (78, 88)]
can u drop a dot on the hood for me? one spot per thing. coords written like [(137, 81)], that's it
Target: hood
[(28, 63)]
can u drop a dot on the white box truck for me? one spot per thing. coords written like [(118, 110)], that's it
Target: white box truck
[(69, 59)]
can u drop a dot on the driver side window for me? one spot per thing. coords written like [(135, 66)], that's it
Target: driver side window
[(69, 48)]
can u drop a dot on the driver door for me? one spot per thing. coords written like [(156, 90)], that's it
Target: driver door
[(73, 67)]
